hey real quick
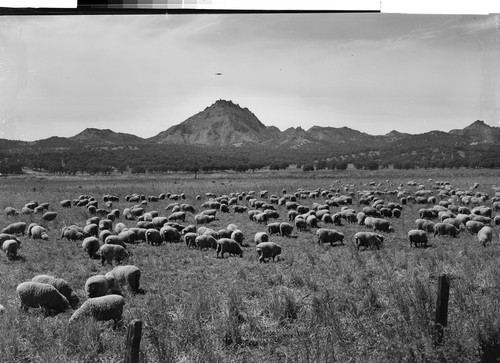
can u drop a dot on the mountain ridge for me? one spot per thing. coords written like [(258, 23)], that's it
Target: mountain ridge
[(226, 124)]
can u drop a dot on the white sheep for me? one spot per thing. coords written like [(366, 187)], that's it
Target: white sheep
[(112, 252), (485, 235), (261, 237), (61, 285), (128, 275), (10, 248), (91, 245), (103, 308), (100, 285), (268, 250), (37, 294), (5, 236), (15, 228), (38, 232)]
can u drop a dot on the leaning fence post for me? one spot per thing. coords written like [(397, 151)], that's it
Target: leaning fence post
[(132, 348), (443, 295)]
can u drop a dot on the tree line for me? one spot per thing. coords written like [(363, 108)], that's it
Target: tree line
[(183, 158)]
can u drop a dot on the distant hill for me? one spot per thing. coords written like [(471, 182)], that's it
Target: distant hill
[(92, 136), (479, 132), (221, 124)]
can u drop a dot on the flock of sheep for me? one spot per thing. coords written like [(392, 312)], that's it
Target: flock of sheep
[(108, 234)]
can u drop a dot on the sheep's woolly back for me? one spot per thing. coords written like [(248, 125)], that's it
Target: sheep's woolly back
[(99, 285), (127, 275), (113, 251), (10, 247), (109, 307), (61, 285), (37, 294)]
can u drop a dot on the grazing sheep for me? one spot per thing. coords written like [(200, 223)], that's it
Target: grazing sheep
[(351, 218), (239, 209), (331, 236), (4, 237), (224, 233), (105, 224), (91, 230), (312, 221), (189, 239), (153, 237), (300, 224), (72, 233), (230, 246), (139, 234), (100, 285), (191, 228), (238, 236), (38, 232), (360, 217), (92, 220), (103, 308), (327, 218), (292, 214), (424, 225), (61, 285), (104, 234), (177, 216), (127, 275), (10, 247), (15, 228), (261, 237), (445, 229), (463, 218), (49, 216), (380, 224), (37, 294), (368, 239), (285, 229), (91, 245), (417, 237), (267, 250), (261, 218), (474, 226), (485, 235), (170, 234), (112, 252), (9, 211), (66, 203), (482, 219), (203, 218), (273, 228), (127, 236), (211, 232), (115, 240), (205, 241), (27, 211), (456, 222)]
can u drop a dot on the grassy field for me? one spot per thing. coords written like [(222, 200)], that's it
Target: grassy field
[(317, 304)]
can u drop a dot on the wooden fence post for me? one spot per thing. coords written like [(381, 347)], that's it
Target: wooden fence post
[(133, 343), (443, 296)]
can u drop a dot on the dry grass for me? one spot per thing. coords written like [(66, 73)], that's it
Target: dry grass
[(319, 303)]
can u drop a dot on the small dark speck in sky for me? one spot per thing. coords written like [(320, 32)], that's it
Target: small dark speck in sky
[(218, 74)]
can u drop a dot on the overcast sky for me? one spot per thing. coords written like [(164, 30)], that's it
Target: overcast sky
[(143, 74)]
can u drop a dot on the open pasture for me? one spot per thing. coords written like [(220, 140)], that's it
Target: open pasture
[(318, 303)]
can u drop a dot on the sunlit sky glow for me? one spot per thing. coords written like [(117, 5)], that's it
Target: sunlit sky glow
[(143, 74)]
